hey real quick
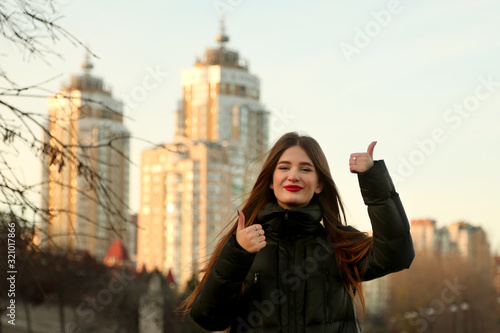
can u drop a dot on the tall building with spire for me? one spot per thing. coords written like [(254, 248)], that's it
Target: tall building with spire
[(221, 103), (87, 187), (191, 187)]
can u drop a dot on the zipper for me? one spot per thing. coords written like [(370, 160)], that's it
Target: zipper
[(293, 311), (291, 261), (256, 286), (327, 297), (256, 277)]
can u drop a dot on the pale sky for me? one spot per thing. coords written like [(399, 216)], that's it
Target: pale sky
[(420, 77)]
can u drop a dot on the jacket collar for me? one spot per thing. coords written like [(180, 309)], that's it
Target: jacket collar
[(300, 222)]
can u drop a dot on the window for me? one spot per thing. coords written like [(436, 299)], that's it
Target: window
[(242, 91)]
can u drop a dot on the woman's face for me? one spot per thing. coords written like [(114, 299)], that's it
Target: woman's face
[(295, 179)]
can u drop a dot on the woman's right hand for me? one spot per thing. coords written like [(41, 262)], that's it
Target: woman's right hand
[(250, 238)]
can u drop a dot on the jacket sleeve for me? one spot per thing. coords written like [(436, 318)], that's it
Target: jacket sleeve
[(393, 247), (215, 306)]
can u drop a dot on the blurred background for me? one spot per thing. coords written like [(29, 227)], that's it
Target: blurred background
[(128, 109)]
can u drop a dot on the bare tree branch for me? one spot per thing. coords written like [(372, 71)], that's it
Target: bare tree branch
[(32, 27)]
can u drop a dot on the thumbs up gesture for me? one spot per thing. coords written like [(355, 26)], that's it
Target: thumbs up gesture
[(250, 238), (360, 162)]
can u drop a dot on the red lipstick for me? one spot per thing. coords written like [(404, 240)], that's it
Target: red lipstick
[(293, 188)]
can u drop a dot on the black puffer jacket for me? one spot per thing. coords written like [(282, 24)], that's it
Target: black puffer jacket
[(293, 283)]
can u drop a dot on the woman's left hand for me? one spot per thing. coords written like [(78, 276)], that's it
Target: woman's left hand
[(360, 162)]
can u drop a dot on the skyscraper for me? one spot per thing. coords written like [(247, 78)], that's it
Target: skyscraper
[(221, 104), (192, 186), (86, 191)]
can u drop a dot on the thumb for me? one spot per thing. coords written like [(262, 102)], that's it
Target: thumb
[(370, 149), (241, 220)]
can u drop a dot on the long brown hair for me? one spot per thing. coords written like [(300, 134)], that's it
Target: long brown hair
[(349, 247)]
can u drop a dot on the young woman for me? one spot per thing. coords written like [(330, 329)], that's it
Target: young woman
[(289, 263)]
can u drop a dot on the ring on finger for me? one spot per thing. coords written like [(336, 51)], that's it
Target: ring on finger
[(256, 229), (259, 232)]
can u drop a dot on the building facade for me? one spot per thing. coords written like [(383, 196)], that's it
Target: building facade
[(496, 276), (221, 103), (185, 203), (461, 239), (423, 233), (86, 174), (470, 242), (376, 293), (191, 188)]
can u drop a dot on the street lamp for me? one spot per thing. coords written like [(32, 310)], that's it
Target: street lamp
[(411, 315), (464, 306), (454, 309), (431, 312)]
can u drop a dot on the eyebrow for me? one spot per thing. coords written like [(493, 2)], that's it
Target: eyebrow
[(300, 163)]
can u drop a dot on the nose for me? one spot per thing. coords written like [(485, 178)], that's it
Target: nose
[(293, 175)]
